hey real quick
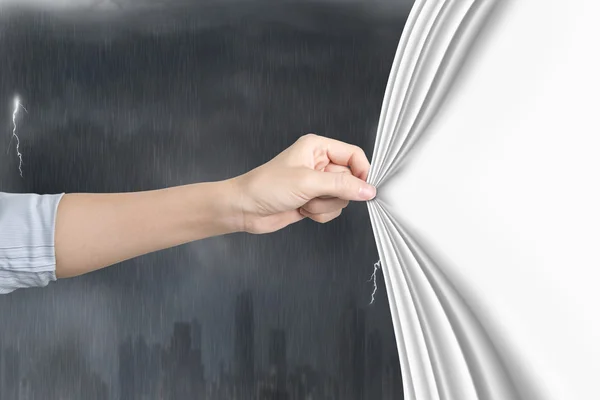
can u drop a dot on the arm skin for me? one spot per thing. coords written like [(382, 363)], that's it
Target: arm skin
[(315, 178), (98, 230)]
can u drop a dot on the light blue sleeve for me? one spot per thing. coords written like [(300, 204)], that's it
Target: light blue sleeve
[(27, 257)]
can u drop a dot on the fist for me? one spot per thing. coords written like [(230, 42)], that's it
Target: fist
[(314, 178)]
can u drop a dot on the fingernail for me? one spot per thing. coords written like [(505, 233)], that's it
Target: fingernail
[(367, 192)]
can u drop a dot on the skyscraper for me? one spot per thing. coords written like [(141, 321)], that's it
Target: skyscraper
[(374, 366), (352, 353), (181, 341), (139, 369), (126, 370), (278, 358), (178, 380), (10, 374), (244, 342), (392, 380), (196, 335)]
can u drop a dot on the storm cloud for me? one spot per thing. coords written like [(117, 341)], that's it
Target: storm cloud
[(183, 93)]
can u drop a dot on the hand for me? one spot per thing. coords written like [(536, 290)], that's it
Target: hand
[(314, 178)]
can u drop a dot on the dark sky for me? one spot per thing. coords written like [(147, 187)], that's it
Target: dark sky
[(169, 96)]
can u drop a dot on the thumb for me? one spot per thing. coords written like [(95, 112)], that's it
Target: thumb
[(338, 184)]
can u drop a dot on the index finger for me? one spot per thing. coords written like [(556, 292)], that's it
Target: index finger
[(348, 155)]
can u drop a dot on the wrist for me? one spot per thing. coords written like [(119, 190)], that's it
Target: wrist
[(230, 205), (217, 208)]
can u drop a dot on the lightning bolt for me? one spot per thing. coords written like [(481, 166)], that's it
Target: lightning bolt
[(373, 278), (17, 106)]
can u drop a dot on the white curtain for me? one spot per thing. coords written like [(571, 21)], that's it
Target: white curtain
[(487, 229)]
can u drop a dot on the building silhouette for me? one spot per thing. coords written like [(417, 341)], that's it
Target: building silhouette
[(10, 374), (61, 373), (351, 354), (175, 370), (244, 344), (183, 371), (392, 380), (374, 378), (274, 384), (278, 359), (196, 335), (127, 370), (139, 369)]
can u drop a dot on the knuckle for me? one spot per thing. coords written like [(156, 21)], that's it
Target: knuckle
[(310, 207), (360, 152), (321, 219), (330, 217), (307, 137), (325, 218)]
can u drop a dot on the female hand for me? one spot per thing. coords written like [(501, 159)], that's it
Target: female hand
[(314, 178)]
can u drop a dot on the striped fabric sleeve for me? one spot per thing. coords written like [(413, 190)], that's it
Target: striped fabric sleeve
[(27, 256)]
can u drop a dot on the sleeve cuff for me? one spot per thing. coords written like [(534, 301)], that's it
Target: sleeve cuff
[(27, 253)]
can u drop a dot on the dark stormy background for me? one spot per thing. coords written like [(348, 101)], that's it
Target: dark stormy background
[(153, 94)]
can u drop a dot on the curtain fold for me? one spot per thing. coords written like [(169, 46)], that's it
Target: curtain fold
[(444, 351), (488, 232)]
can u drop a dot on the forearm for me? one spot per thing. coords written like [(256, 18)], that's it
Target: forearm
[(94, 231)]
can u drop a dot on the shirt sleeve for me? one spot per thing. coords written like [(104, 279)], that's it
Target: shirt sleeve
[(27, 254)]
